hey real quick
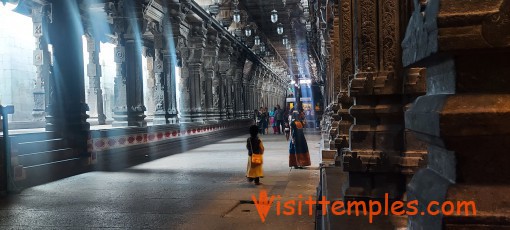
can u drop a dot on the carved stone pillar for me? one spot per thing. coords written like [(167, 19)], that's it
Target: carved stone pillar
[(68, 109), (266, 92), (245, 97), (192, 94), (259, 92), (156, 83), (129, 107), (254, 92), (41, 61), (134, 84), (223, 94), (239, 84), (237, 97), (210, 68), (376, 140), (224, 68), (414, 155), (231, 98), (94, 92), (174, 43), (346, 72), (251, 94), (464, 117), (120, 102), (169, 82)]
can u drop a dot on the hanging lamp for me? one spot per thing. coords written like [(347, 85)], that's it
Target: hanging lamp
[(237, 16), (279, 29), (274, 16), (257, 40)]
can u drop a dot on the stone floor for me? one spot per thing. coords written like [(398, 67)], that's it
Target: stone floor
[(203, 188)]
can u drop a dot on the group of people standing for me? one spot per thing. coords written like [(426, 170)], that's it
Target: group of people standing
[(282, 122), (276, 118)]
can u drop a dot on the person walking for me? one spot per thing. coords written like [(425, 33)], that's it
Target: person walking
[(254, 145), (298, 148), (273, 120), (266, 124), (279, 119)]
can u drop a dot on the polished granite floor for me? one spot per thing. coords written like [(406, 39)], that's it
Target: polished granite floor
[(203, 188)]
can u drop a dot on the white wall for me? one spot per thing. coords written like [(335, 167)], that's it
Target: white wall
[(17, 71)]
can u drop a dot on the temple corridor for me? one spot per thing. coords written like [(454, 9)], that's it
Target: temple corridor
[(201, 188), (131, 114)]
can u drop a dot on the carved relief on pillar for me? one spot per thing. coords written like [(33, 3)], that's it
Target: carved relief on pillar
[(211, 72), (156, 79), (173, 43), (239, 78), (197, 43), (224, 68), (377, 135), (94, 92), (120, 103), (245, 94), (182, 56), (346, 45), (465, 107), (367, 36), (260, 82), (41, 58), (120, 108)]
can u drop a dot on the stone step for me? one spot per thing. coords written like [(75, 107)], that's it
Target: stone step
[(39, 146), (31, 137), (37, 159)]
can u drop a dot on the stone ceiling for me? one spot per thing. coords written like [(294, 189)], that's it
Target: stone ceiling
[(296, 61)]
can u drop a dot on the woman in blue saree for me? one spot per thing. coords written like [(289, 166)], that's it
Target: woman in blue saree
[(298, 148)]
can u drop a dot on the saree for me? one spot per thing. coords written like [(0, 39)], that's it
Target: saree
[(298, 151)]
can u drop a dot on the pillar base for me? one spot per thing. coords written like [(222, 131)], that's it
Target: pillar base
[(374, 186), (38, 115), (159, 118)]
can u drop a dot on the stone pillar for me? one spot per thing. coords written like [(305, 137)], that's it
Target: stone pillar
[(346, 72), (256, 93), (42, 61), (464, 117), (224, 68), (253, 90), (229, 88), (223, 94), (134, 82), (237, 97), (174, 50), (192, 96), (68, 109), (251, 94), (414, 155), (120, 103), (210, 71), (129, 107), (156, 81), (258, 88), (239, 83), (169, 82), (376, 140), (150, 81), (245, 97), (94, 92)]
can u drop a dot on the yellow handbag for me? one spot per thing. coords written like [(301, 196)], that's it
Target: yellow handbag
[(256, 159)]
